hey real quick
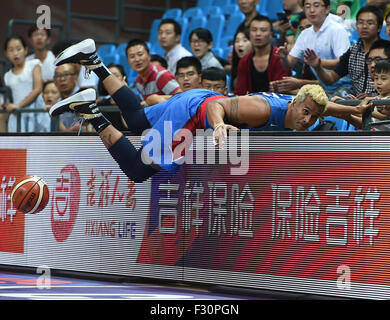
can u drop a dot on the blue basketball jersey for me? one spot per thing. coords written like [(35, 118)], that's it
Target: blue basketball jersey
[(278, 103)]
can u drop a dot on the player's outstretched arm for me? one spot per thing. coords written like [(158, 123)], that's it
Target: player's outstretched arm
[(225, 114)]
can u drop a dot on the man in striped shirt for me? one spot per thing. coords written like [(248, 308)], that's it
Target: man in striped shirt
[(156, 84)]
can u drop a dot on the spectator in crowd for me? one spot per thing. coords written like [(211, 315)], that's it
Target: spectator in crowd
[(327, 39), (214, 79), (159, 61), (241, 47), (25, 81), (83, 81), (287, 25), (303, 73), (40, 39), (169, 35), (50, 94), (353, 61), (382, 85), (261, 66), (387, 23), (380, 50), (248, 8), (384, 5), (201, 42), (106, 100), (154, 83), (66, 80), (188, 73)]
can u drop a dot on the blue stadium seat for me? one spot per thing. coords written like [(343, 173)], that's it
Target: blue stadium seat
[(174, 13), (231, 9), (108, 48), (232, 23), (194, 12), (212, 11), (154, 31), (383, 34), (125, 64), (156, 49), (121, 49), (314, 125), (218, 52), (216, 26), (341, 124), (223, 3), (199, 22), (226, 51), (354, 37), (109, 58), (184, 25), (204, 3), (269, 8)]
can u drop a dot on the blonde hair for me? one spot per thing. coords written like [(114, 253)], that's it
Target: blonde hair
[(315, 92)]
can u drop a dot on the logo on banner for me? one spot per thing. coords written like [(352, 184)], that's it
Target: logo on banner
[(12, 166), (65, 202)]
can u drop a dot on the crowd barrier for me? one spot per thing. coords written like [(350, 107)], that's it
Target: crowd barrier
[(294, 212)]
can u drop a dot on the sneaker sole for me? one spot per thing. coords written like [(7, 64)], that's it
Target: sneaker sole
[(73, 53), (88, 95)]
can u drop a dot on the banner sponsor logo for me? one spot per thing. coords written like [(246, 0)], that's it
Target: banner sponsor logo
[(12, 223), (65, 202)]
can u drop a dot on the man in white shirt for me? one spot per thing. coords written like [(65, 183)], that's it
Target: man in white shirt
[(327, 38), (169, 35)]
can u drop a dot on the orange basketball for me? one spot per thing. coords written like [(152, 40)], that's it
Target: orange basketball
[(30, 194)]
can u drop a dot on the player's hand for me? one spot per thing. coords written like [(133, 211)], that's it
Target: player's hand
[(220, 134)]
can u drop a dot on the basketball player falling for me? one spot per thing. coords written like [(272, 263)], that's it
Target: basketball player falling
[(194, 109)]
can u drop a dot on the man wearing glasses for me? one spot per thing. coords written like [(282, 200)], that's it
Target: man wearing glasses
[(65, 79), (369, 22), (329, 40)]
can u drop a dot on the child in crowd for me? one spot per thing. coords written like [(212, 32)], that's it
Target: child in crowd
[(25, 81), (214, 79), (382, 86), (50, 94)]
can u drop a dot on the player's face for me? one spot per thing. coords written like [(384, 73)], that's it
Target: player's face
[(139, 58), (260, 33), (382, 83), (305, 114), (188, 78), (167, 37), (217, 86), (367, 26)]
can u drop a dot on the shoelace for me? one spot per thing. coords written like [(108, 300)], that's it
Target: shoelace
[(81, 123)]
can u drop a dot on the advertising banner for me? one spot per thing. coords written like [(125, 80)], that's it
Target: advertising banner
[(307, 215)]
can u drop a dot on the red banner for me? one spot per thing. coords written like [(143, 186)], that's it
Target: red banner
[(12, 166)]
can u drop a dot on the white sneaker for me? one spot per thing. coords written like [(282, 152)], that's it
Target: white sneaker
[(83, 103), (83, 53)]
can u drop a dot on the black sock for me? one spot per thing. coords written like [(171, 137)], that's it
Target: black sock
[(102, 72), (100, 122)]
